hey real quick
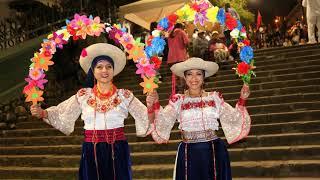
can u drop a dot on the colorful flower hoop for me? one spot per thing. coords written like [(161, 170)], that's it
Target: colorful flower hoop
[(199, 13), (146, 58), (79, 28)]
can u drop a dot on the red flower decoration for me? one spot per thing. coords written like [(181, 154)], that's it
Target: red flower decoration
[(243, 68), (246, 42), (173, 18), (156, 61), (149, 40), (231, 22), (84, 53), (129, 46), (195, 7)]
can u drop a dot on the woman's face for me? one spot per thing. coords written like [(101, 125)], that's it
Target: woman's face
[(194, 79), (103, 72)]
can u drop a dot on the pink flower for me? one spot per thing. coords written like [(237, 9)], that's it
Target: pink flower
[(58, 40), (147, 70), (35, 83), (96, 27)]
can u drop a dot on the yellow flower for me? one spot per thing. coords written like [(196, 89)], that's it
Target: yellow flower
[(212, 14), (186, 13)]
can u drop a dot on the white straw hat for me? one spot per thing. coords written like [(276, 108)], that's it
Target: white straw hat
[(100, 49), (209, 67)]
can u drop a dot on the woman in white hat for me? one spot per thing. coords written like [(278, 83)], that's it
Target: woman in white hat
[(201, 154), (103, 108)]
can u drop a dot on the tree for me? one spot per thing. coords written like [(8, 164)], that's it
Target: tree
[(240, 6)]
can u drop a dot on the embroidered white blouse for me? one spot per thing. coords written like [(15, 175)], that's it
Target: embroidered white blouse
[(109, 114), (201, 113)]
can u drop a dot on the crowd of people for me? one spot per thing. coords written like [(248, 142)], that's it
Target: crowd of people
[(269, 36)]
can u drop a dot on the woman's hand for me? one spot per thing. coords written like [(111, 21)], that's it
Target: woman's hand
[(245, 91), (38, 112), (152, 98)]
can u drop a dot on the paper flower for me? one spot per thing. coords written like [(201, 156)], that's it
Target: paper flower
[(186, 13), (156, 61), (58, 40), (79, 21), (172, 18), (203, 6), (84, 31), (112, 34), (231, 22), (48, 46), (66, 34), (156, 33), (163, 24), (212, 14), (84, 53), (96, 27), (34, 96), (200, 17), (126, 39), (149, 51), (241, 44), (148, 85), (243, 68), (41, 61), (147, 70), (221, 16), (35, 74), (239, 25), (234, 33), (246, 42), (246, 54), (39, 82), (135, 53), (158, 45)]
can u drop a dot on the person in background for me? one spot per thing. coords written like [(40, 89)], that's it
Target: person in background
[(313, 19)]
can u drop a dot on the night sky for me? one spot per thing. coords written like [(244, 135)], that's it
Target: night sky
[(271, 8)]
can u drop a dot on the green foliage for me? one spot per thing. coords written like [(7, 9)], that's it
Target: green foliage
[(240, 6)]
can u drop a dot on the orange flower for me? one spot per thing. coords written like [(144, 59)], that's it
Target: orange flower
[(136, 52), (34, 95), (148, 85), (42, 61)]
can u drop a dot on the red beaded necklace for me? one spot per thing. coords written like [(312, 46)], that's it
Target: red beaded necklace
[(104, 96)]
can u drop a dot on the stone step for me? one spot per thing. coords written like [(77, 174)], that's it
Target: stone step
[(226, 81), (270, 66), (266, 63), (293, 168), (273, 50), (139, 143), (168, 157), (260, 59), (252, 109), (253, 86), (46, 130), (257, 118), (57, 144)]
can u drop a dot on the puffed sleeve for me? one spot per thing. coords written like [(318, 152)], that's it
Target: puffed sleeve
[(165, 119), (138, 111), (64, 115), (235, 122)]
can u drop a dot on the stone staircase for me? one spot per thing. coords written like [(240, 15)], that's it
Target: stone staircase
[(284, 141)]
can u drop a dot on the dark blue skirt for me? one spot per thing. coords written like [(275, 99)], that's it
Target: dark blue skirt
[(106, 166), (200, 161)]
